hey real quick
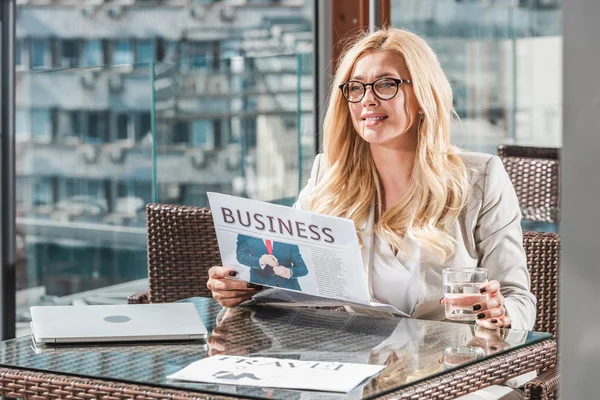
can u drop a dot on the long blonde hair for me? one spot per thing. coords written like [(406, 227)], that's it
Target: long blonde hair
[(439, 188)]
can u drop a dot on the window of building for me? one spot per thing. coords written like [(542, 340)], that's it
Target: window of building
[(42, 191), (181, 132), (197, 55), (142, 190), (202, 134), (95, 127), (122, 53), (71, 53), (41, 125), (144, 51), (75, 122), (143, 126), (23, 189), (22, 131), (83, 188), (122, 125), (40, 53), (235, 130), (19, 44), (92, 53)]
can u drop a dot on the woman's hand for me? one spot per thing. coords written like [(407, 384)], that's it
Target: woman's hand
[(491, 313), (228, 292)]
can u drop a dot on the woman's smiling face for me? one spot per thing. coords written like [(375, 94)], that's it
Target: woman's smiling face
[(389, 123)]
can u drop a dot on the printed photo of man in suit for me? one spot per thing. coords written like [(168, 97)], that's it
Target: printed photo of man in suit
[(271, 263)]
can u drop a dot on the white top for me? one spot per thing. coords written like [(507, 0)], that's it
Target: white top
[(395, 278)]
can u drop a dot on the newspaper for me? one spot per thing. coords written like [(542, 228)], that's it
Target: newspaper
[(278, 373), (313, 259)]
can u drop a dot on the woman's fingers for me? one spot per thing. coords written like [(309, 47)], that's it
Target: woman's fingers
[(229, 292), (230, 285), (491, 313), (497, 322), (219, 272), (490, 288), (491, 302)]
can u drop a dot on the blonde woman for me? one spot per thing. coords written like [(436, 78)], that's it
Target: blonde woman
[(418, 203)]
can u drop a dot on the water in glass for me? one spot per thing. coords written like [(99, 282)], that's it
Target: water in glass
[(459, 300)]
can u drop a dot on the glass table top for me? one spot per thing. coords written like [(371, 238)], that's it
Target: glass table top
[(410, 349)]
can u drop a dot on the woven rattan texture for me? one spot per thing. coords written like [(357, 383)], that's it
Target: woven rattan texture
[(138, 298), (38, 386), (541, 357), (535, 175), (544, 387), (551, 153), (542, 249), (182, 246)]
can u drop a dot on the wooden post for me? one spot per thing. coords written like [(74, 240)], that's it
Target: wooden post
[(350, 18)]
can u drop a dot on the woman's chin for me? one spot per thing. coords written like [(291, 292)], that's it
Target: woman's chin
[(375, 138)]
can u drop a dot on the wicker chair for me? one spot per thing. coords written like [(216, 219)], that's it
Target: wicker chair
[(535, 174), (182, 246), (542, 250)]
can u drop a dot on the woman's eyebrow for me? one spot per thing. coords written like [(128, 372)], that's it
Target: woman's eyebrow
[(381, 75)]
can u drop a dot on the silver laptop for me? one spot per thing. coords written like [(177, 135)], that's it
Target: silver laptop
[(116, 323)]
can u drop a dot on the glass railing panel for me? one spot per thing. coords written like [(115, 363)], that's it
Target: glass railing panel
[(241, 126), (503, 60), (83, 177)]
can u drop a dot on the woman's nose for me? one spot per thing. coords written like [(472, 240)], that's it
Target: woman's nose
[(369, 98)]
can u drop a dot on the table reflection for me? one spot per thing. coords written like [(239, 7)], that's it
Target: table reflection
[(410, 349)]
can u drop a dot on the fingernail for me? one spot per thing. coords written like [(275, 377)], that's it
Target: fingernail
[(477, 307), (494, 321), (482, 290), (232, 273), (480, 316), (251, 285), (258, 287)]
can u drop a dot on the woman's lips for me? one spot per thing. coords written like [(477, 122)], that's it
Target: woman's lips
[(371, 121)]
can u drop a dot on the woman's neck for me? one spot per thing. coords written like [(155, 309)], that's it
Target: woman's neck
[(394, 167)]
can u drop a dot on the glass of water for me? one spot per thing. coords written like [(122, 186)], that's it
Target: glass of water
[(461, 292)]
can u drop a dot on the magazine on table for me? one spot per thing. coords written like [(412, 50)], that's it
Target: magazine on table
[(309, 259)]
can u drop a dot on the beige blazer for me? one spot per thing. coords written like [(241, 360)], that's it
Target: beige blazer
[(488, 234)]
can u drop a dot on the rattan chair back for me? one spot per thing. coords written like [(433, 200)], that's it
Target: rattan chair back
[(182, 246), (542, 249), (535, 175)]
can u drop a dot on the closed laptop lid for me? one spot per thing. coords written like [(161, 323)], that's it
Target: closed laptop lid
[(113, 323)]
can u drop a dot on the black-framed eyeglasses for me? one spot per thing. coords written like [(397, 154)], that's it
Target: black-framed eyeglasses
[(383, 88)]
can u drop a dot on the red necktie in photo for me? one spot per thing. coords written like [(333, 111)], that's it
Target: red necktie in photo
[(269, 246)]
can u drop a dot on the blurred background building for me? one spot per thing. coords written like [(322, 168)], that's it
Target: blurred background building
[(125, 102)]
